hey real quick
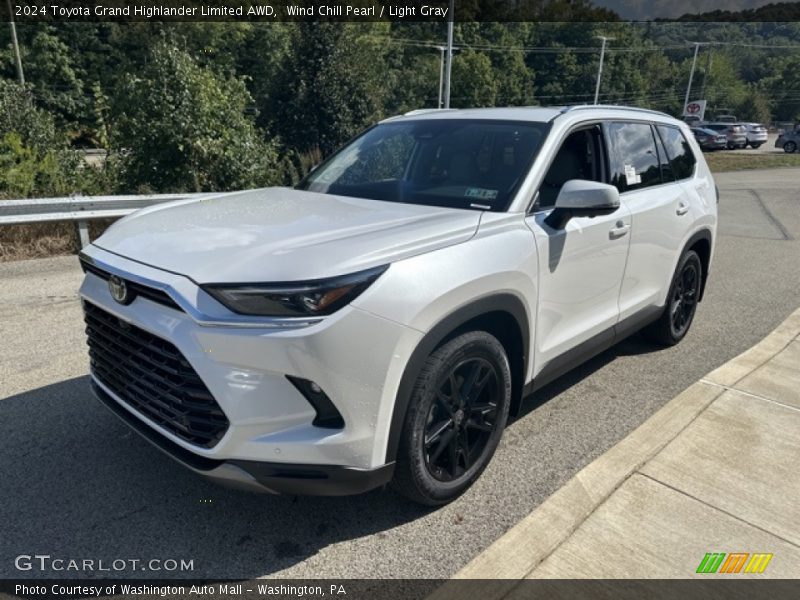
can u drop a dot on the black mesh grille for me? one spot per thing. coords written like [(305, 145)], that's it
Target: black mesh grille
[(137, 289), (152, 376)]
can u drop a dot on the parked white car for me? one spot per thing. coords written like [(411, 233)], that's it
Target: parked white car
[(756, 134), (379, 322)]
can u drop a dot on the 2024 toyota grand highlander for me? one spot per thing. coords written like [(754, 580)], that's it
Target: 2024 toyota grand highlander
[(379, 322)]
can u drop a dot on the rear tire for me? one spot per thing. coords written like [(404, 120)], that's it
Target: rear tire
[(456, 416), (755, 146), (789, 147), (684, 294)]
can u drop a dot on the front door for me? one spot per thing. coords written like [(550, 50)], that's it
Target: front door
[(581, 266)]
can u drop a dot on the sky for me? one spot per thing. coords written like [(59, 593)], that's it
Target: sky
[(650, 9)]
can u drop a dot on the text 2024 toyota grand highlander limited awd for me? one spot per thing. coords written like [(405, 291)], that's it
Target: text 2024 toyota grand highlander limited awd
[(381, 320)]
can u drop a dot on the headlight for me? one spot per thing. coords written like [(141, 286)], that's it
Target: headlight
[(295, 299)]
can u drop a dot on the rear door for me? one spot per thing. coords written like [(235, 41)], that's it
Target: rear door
[(660, 210)]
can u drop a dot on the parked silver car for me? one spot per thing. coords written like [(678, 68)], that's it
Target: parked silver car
[(735, 132), (789, 141), (756, 134)]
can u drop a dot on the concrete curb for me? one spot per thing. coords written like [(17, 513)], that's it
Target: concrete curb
[(530, 541)]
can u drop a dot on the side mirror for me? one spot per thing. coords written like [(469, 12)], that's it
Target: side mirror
[(582, 198)]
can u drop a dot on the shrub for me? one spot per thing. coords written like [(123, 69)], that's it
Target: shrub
[(183, 127)]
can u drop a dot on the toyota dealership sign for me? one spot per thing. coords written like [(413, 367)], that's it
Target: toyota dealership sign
[(695, 108)]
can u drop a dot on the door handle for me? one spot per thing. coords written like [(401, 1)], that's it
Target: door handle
[(682, 209), (618, 231)]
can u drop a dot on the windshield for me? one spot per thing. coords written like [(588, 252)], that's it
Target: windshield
[(457, 163)]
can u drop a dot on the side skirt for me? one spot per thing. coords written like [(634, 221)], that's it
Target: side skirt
[(592, 347)]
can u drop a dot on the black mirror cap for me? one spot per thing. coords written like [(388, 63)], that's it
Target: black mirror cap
[(559, 217)]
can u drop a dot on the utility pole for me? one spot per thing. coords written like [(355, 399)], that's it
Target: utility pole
[(691, 76), (442, 50), (15, 43), (449, 68), (705, 74), (600, 66)]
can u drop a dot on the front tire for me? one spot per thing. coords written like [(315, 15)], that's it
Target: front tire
[(684, 294), (789, 147), (456, 416)]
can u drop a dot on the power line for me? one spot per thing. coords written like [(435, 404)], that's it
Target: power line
[(580, 49)]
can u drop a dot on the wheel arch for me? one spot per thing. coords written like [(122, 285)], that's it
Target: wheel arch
[(503, 315), (701, 242)]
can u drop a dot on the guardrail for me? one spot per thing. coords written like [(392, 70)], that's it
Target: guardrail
[(81, 209)]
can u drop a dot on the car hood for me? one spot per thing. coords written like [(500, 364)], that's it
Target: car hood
[(281, 234)]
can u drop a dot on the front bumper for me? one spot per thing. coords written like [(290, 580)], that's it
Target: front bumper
[(274, 478), (271, 443)]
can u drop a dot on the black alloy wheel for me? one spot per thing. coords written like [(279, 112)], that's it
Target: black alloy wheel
[(683, 303), (461, 420), (456, 415)]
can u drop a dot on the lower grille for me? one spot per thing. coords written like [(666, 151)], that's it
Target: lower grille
[(152, 376)]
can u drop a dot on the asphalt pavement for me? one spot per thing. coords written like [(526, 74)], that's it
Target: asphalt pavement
[(714, 469), (78, 484)]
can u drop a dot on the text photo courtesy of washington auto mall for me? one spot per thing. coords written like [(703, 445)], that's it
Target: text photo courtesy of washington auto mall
[(399, 299)]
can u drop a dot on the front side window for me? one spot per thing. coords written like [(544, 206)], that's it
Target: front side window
[(580, 157), (681, 157), (457, 163), (633, 158)]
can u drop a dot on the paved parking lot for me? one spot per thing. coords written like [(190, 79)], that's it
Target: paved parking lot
[(78, 484)]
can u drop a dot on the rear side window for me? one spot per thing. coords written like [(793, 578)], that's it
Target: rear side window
[(681, 157), (633, 158)]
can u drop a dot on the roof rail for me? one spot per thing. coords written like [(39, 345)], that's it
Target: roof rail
[(422, 111), (567, 109)]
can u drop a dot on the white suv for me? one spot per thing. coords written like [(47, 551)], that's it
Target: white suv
[(381, 320)]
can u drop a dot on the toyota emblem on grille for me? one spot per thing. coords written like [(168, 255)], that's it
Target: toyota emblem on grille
[(119, 290)]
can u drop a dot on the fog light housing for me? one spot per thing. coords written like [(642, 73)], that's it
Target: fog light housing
[(328, 417)]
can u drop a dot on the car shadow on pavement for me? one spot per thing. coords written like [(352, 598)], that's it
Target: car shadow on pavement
[(79, 484), (636, 344)]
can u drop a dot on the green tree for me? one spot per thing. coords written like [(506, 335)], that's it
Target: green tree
[(55, 82), (754, 107), (474, 82), (34, 159), (785, 86), (19, 114), (332, 87), (180, 126)]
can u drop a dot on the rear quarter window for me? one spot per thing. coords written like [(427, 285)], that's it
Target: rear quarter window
[(679, 152)]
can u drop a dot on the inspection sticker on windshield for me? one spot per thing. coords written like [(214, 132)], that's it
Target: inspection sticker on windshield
[(480, 193), (630, 175)]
